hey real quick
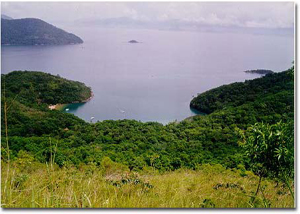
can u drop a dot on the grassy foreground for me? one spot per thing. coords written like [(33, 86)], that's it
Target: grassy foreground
[(32, 184)]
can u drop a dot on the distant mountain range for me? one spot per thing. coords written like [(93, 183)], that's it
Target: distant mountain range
[(30, 31), (178, 25), (6, 17)]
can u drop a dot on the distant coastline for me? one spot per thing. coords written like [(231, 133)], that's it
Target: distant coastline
[(34, 32), (259, 71)]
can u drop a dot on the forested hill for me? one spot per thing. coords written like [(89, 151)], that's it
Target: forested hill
[(136, 145), (37, 87), (27, 96), (30, 31), (236, 94)]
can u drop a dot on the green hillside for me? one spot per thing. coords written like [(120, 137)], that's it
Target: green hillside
[(35, 185), (237, 94), (38, 88), (28, 95), (202, 139), (113, 148)]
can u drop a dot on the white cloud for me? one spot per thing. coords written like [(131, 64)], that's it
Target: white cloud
[(244, 14)]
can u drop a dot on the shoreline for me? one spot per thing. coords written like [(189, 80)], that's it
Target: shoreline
[(57, 106), (61, 106), (88, 99)]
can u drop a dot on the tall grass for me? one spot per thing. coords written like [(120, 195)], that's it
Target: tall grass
[(32, 184)]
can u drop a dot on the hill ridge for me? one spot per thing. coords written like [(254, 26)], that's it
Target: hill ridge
[(33, 31)]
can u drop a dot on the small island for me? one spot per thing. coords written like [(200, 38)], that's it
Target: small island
[(133, 41), (259, 71)]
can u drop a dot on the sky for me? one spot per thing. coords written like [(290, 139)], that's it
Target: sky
[(269, 15)]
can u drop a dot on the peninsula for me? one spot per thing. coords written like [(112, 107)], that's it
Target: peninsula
[(259, 71), (31, 31)]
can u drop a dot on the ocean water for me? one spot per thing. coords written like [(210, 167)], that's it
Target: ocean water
[(155, 79)]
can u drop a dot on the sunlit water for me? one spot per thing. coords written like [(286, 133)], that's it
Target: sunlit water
[(155, 79)]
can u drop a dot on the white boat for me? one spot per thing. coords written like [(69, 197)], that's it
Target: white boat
[(91, 120), (67, 109)]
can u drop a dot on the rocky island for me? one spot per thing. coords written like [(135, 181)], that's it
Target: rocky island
[(133, 41)]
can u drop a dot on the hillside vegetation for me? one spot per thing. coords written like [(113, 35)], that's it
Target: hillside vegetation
[(36, 185), (38, 87), (113, 148), (30, 31), (28, 95), (237, 94)]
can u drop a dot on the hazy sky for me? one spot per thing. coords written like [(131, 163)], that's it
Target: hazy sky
[(241, 14)]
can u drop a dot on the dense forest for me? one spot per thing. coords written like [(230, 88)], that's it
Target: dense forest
[(30, 31), (249, 92), (45, 136), (28, 95), (197, 140)]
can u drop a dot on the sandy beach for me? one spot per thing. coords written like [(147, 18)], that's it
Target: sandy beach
[(62, 106)]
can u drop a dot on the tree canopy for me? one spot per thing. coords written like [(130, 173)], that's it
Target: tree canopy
[(190, 143)]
